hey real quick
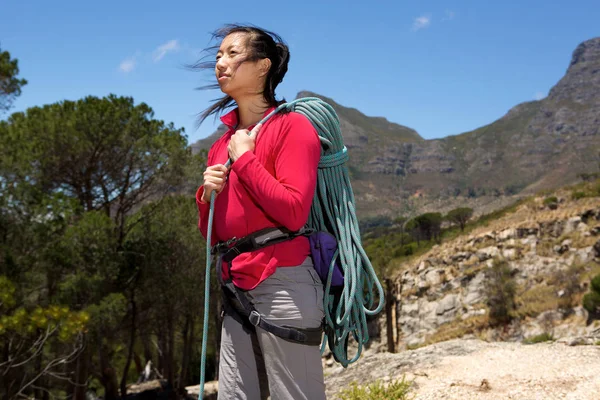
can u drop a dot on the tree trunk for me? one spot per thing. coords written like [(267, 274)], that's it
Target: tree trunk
[(147, 347), (389, 306), (131, 343), (138, 363), (81, 374), (162, 348), (38, 392), (6, 375), (107, 374), (111, 386), (185, 353), (171, 350)]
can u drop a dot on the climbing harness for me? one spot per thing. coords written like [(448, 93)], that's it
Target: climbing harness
[(235, 302), (332, 214)]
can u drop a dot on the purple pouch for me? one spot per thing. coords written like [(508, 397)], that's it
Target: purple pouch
[(323, 246)]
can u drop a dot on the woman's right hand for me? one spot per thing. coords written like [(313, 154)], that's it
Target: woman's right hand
[(214, 179)]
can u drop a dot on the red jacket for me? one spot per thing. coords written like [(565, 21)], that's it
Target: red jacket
[(272, 186)]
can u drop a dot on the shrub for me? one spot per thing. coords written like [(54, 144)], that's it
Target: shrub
[(569, 281), (500, 289), (596, 283), (544, 337), (395, 390), (591, 301), (551, 202), (578, 195), (406, 250)]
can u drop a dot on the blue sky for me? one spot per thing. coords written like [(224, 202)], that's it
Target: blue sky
[(440, 67)]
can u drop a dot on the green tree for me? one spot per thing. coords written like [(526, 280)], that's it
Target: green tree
[(460, 216), (107, 153), (591, 300), (72, 177), (10, 84), (500, 288), (30, 329), (425, 226), (169, 256)]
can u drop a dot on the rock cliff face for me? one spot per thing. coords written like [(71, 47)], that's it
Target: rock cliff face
[(551, 256), (537, 145)]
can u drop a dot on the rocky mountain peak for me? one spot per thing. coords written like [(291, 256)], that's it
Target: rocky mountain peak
[(582, 80), (586, 53)]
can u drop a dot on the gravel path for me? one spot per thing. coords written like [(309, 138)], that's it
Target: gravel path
[(472, 369)]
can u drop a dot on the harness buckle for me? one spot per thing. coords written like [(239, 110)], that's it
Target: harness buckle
[(254, 318), (223, 246)]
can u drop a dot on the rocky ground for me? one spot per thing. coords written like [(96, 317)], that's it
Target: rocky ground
[(551, 253), (473, 369)]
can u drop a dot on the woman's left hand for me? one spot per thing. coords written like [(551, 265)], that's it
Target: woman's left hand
[(241, 142)]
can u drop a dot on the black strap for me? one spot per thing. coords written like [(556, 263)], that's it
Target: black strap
[(247, 313), (260, 239)]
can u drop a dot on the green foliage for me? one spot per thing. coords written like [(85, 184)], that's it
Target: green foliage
[(123, 155), (27, 329), (551, 202), (595, 283), (543, 337), (460, 216), (395, 390), (10, 84), (22, 321), (89, 218), (588, 177), (7, 292), (109, 311), (54, 318), (368, 223), (406, 250), (425, 226), (591, 300), (500, 290), (588, 189)]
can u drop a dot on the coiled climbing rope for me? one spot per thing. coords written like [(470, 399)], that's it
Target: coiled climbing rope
[(332, 211)]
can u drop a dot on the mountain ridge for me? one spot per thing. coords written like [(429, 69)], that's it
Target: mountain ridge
[(535, 145)]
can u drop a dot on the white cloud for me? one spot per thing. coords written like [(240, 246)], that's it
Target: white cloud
[(127, 65), (539, 95), (449, 15), (163, 49), (421, 22)]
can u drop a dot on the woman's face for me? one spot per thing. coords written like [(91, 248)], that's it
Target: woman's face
[(235, 76)]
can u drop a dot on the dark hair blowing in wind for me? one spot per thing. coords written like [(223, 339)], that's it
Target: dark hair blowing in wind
[(260, 44)]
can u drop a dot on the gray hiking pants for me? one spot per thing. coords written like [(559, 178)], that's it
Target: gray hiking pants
[(255, 364)]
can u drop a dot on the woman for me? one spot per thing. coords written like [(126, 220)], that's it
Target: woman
[(270, 183)]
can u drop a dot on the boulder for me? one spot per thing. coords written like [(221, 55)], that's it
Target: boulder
[(571, 224), (487, 253), (448, 303), (507, 234)]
